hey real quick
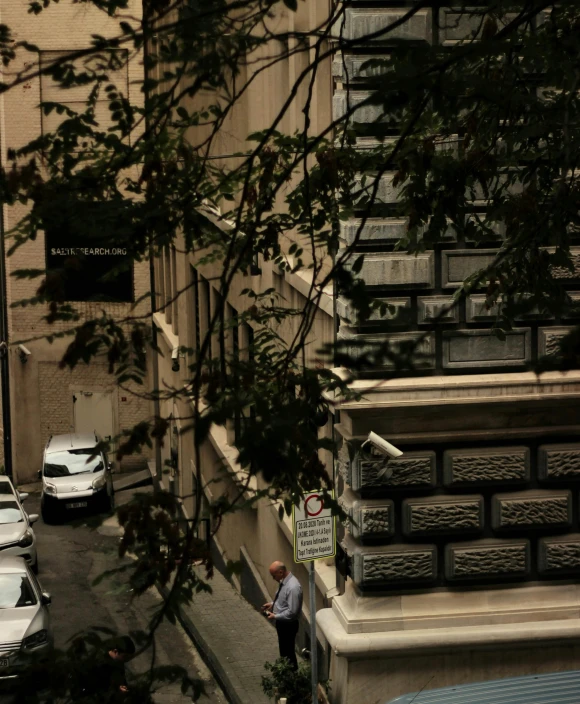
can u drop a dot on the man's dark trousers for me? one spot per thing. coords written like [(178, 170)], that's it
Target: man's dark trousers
[(287, 632)]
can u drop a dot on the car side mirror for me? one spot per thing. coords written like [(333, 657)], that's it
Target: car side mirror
[(22, 495), (111, 466), (33, 517), (46, 599), (39, 474)]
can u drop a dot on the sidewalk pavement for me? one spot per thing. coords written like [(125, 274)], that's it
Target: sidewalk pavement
[(234, 639)]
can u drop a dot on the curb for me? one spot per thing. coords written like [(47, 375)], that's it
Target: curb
[(215, 666)]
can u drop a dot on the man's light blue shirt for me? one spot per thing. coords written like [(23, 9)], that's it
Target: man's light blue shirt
[(288, 603)]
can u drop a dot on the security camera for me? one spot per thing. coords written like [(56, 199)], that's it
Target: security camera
[(374, 445), (175, 359), (24, 353), (382, 446)]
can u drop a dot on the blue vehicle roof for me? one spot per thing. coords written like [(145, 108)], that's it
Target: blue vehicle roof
[(555, 688)]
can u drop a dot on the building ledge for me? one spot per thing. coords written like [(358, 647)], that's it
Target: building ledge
[(460, 390), (429, 641), (169, 337), (444, 609)]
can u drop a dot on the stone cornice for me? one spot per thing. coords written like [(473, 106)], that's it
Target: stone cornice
[(355, 646), (462, 390)]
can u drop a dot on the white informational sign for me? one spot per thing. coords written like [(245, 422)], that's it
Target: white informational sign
[(314, 529)]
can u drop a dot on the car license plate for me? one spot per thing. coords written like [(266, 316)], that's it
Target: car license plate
[(77, 504), (4, 662)]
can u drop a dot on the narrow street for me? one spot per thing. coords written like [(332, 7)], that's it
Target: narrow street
[(70, 558)]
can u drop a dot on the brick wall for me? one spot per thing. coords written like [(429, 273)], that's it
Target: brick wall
[(56, 389)]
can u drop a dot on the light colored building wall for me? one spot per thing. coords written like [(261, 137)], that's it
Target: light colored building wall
[(41, 393)]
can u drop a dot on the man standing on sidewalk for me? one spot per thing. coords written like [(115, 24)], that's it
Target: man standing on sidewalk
[(285, 610)]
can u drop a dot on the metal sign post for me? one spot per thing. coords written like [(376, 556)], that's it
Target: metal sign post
[(314, 539), (313, 639)]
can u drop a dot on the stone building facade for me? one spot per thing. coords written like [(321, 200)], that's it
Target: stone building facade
[(45, 399), (461, 565)]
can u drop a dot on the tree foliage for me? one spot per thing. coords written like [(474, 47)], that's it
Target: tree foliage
[(479, 137)]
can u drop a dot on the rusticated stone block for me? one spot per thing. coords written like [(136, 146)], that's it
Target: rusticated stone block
[(373, 519), (437, 309), (481, 348), (422, 352), (343, 102), (414, 469), (394, 565), (398, 311), (386, 192), (564, 273), (477, 310), (457, 25), (486, 465), (374, 229), (559, 462), (574, 309), (531, 510), (376, 521), (549, 340), (560, 554), (458, 264), (369, 519), (487, 559), (351, 67), (496, 228), (389, 230), (343, 463), (398, 269), (442, 514), (372, 25)]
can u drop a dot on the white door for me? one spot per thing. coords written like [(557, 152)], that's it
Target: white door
[(93, 411)]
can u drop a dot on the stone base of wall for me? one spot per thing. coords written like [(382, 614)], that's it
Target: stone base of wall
[(384, 647), (380, 680)]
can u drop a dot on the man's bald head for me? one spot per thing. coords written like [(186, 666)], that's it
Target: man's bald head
[(278, 570)]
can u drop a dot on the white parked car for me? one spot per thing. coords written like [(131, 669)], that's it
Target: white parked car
[(16, 534), (24, 616), (75, 474)]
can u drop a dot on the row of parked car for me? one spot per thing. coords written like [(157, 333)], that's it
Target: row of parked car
[(75, 474)]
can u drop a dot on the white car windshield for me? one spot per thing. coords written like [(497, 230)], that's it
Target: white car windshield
[(63, 464), (15, 591), (10, 512)]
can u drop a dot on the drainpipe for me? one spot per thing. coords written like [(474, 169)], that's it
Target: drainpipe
[(155, 361), (4, 356)]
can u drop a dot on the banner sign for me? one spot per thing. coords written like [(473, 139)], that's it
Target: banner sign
[(81, 249)]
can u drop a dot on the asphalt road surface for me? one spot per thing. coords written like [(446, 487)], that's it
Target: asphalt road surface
[(70, 558)]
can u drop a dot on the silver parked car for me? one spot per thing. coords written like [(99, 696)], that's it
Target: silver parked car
[(16, 534), (75, 474), (7, 487), (24, 616)]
